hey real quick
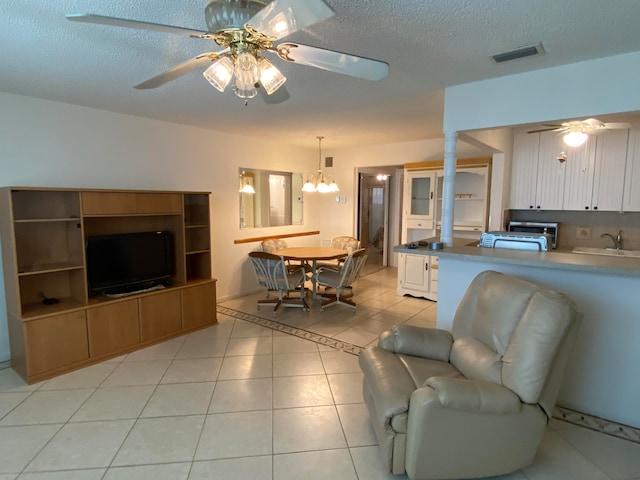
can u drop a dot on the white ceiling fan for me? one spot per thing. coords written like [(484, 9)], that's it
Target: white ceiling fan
[(246, 29), (576, 132)]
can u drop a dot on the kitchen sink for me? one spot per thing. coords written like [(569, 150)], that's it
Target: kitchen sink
[(611, 252)]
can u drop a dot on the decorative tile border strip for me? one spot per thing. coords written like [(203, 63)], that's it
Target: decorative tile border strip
[(560, 413), (295, 331), (598, 424)]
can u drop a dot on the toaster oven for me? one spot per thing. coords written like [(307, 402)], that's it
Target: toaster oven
[(549, 228)]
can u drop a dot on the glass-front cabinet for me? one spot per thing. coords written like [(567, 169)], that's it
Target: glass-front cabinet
[(419, 195)]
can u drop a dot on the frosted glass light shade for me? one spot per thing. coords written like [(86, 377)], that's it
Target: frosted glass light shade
[(219, 73), (246, 75), (575, 139), (309, 185), (270, 77), (333, 187)]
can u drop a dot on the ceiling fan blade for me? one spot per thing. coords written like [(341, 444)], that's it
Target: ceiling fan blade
[(333, 61), (546, 130), (181, 69), (615, 126), (283, 17), (123, 22)]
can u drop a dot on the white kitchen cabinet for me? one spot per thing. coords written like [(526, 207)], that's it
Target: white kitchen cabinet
[(631, 198), (537, 176), (595, 173), (415, 275), (418, 195), (418, 205)]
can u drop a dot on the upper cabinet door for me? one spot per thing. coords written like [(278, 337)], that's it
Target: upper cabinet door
[(551, 172), (632, 174), (524, 171), (608, 181), (419, 195), (580, 169)]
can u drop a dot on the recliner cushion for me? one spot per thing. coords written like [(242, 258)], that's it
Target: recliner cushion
[(535, 343), (392, 378), (484, 314), (476, 361)]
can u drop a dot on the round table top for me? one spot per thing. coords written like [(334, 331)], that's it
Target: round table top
[(311, 253)]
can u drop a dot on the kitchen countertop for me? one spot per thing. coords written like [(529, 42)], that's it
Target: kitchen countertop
[(559, 258)]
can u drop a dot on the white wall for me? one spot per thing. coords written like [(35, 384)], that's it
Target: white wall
[(46, 143), (584, 89), (342, 219)]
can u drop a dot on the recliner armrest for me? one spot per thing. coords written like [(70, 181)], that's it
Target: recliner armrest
[(423, 342), (474, 395)]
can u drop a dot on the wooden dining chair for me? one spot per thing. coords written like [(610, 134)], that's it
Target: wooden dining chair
[(341, 280), (272, 273)]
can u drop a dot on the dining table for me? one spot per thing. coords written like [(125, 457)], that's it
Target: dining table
[(311, 255)]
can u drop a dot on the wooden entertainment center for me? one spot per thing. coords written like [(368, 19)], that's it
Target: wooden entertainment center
[(44, 232)]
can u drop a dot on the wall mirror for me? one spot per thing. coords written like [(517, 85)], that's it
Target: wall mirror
[(269, 198)]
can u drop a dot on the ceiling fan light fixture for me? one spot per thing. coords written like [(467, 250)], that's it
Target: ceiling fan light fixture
[(219, 73), (247, 75), (228, 14), (575, 138), (270, 77)]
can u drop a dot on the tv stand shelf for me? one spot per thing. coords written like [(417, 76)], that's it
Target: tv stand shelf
[(43, 233)]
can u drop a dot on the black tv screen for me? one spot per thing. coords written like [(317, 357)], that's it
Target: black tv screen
[(126, 262)]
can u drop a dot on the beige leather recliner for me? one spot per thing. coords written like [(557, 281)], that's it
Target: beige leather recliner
[(475, 401)]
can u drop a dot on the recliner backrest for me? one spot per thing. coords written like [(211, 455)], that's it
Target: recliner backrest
[(508, 331)]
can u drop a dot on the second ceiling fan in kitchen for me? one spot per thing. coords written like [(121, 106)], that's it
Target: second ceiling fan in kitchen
[(576, 132)]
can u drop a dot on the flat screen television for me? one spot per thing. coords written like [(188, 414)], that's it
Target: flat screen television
[(127, 262)]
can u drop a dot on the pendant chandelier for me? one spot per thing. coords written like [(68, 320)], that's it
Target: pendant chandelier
[(319, 184)]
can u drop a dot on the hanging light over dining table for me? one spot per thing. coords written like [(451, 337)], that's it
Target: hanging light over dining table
[(319, 183)]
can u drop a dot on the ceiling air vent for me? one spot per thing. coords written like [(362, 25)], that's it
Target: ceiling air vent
[(519, 53)]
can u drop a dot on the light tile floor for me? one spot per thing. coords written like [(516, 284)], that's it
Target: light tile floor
[(241, 401)]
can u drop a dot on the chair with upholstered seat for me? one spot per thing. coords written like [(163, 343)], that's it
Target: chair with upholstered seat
[(341, 280), (344, 242), (273, 274), (473, 402), (272, 244)]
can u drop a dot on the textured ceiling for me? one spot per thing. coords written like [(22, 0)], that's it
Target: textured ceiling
[(429, 44)]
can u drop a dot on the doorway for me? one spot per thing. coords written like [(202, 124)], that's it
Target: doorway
[(376, 212)]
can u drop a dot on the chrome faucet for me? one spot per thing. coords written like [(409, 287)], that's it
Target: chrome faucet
[(617, 240)]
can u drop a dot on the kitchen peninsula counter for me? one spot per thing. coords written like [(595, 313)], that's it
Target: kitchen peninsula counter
[(601, 375), (466, 249)]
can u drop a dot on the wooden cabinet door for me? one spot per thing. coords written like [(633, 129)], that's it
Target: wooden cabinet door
[(109, 203), (199, 305), (611, 158), (160, 315), (579, 174), (419, 195), (150, 203), (54, 342), (113, 327), (551, 172), (413, 272), (524, 171), (632, 174)]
